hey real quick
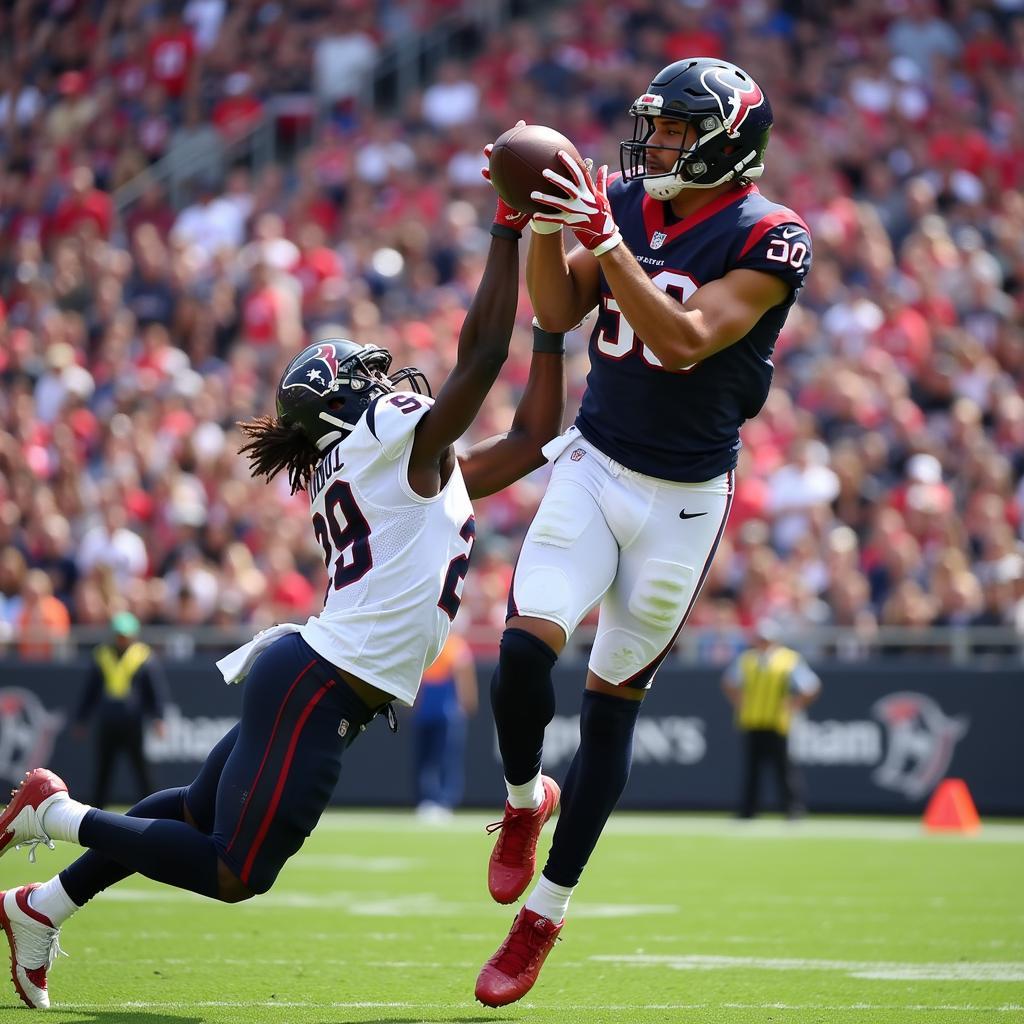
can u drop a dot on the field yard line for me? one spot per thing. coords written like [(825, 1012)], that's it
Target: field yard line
[(409, 905), (351, 862), (878, 970), (672, 823), (615, 1007)]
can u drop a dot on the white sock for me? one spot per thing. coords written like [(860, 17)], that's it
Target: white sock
[(51, 899), (550, 900), (529, 794), (61, 819)]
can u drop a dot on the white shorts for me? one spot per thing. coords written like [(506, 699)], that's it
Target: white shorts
[(639, 545)]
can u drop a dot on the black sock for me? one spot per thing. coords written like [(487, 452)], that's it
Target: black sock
[(594, 783), (166, 851), (523, 701), (93, 872)]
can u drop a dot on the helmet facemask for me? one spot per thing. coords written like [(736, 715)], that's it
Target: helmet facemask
[(368, 379), (705, 164)]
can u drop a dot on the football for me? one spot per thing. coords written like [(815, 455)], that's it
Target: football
[(518, 159)]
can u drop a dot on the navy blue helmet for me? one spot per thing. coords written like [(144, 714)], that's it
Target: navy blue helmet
[(726, 108), (328, 386)]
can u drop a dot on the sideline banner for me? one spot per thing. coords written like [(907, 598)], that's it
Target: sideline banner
[(880, 738)]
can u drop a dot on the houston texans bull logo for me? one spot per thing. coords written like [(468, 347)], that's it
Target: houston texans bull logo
[(317, 373), (736, 95), (921, 739), (27, 732)]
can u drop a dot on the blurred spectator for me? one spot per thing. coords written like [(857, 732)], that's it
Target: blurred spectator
[(171, 53), (801, 491), (921, 36), (453, 99), (86, 208), (344, 54), (42, 621), (196, 148), (111, 544), (446, 698), (12, 584), (240, 109)]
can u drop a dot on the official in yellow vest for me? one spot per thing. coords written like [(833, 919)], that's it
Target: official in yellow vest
[(766, 685), (125, 688)]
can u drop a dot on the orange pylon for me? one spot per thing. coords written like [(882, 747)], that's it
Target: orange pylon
[(951, 808)]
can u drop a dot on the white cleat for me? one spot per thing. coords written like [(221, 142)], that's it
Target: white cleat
[(21, 822), (34, 946)]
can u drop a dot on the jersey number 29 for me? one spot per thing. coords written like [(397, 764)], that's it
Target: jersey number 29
[(348, 544)]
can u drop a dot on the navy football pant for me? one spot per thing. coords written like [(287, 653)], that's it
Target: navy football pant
[(260, 793)]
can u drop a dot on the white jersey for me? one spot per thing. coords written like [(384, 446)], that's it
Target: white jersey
[(396, 561)]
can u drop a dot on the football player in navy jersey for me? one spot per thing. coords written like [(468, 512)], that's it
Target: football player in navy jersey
[(693, 272), (390, 506)]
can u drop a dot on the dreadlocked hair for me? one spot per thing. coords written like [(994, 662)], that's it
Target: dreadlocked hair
[(273, 446)]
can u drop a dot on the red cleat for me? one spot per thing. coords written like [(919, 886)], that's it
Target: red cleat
[(513, 970), (34, 946), (21, 820), (514, 857)]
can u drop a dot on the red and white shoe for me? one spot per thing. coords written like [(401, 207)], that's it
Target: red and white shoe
[(21, 822), (34, 946), (512, 971), (514, 857)]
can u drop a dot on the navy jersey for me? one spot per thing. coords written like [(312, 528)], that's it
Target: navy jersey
[(684, 424)]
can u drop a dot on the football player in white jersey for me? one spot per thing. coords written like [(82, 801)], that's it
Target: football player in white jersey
[(390, 502)]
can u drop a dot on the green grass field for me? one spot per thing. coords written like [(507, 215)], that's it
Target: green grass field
[(679, 918)]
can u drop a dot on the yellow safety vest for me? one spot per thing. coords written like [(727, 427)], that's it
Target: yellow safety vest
[(765, 689), (118, 671)]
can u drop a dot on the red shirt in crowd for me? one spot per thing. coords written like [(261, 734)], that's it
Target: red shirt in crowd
[(170, 56), (293, 591), (259, 316), (906, 337), (312, 268), (129, 77), (235, 115), (95, 207)]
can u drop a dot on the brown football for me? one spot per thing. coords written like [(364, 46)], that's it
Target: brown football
[(517, 160)]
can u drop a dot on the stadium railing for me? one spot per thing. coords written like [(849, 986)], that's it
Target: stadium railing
[(697, 645)]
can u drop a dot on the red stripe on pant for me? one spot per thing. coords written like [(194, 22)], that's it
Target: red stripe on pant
[(281, 779), (266, 753)]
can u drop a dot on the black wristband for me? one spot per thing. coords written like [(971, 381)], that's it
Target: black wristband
[(547, 341), (501, 231)]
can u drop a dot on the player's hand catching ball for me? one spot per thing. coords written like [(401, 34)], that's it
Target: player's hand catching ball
[(584, 206), (505, 215)]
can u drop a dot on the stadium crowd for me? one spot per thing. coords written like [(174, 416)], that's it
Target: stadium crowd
[(883, 483)]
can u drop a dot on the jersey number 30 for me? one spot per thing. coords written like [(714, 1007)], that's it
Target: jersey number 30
[(617, 340)]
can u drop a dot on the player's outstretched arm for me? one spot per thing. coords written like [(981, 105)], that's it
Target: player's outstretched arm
[(499, 461), (483, 349)]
